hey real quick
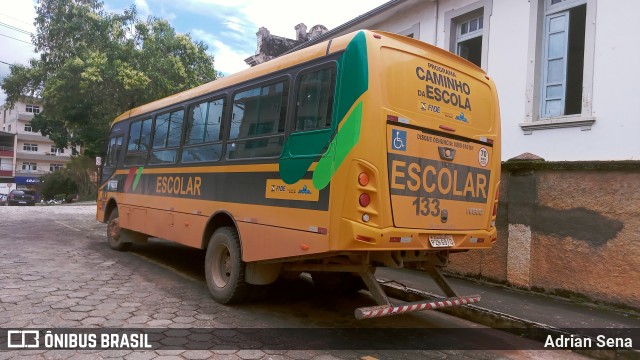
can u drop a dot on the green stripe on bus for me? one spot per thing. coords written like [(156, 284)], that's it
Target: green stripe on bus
[(352, 82), (137, 179), (346, 139)]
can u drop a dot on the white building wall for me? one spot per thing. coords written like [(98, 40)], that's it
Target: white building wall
[(615, 133), (507, 66)]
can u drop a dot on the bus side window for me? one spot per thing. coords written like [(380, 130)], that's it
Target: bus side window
[(113, 153), (203, 139), (138, 144), (314, 101), (258, 121), (166, 137)]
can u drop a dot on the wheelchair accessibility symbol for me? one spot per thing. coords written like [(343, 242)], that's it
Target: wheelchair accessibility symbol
[(398, 140)]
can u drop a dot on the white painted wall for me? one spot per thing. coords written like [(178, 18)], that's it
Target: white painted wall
[(615, 134)]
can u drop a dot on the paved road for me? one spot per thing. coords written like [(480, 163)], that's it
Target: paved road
[(56, 271)]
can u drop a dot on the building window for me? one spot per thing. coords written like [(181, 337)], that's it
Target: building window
[(35, 109), (412, 32), (469, 39), (467, 31), (560, 82), (27, 166), (27, 127), (56, 151), (562, 58), (30, 147), (55, 167)]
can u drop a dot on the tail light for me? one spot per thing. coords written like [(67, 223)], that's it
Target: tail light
[(363, 179), (364, 200)]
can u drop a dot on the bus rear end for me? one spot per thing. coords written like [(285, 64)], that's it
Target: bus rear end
[(429, 157), (443, 154), (430, 150)]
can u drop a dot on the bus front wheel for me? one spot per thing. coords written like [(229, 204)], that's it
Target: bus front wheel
[(115, 234), (224, 268)]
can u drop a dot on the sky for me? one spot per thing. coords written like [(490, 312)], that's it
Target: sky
[(227, 27)]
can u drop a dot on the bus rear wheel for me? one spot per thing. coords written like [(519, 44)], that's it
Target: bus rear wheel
[(224, 268), (115, 234)]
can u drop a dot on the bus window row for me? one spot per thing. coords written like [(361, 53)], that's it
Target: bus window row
[(255, 126)]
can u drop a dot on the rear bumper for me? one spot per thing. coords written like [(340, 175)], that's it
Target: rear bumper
[(357, 236)]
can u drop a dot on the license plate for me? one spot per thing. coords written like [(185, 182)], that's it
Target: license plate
[(22, 202), (441, 240)]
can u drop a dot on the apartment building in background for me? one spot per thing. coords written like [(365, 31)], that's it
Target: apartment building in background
[(26, 155)]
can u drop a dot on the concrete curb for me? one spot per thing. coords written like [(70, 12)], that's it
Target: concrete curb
[(498, 320)]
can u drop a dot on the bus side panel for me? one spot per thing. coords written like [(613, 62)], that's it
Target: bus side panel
[(260, 242)]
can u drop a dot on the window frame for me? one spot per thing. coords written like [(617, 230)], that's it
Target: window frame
[(29, 164), (113, 156), (296, 92), (28, 125), (33, 109), (277, 78), (533, 109), (31, 147), (141, 120), (152, 147), (453, 18), (221, 131)]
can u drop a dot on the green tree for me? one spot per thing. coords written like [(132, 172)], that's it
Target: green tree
[(82, 171), (95, 65), (57, 182)]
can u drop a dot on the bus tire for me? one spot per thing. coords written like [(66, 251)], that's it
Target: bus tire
[(224, 268), (115, 234)]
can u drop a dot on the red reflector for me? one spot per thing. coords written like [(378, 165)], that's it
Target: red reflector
[(490, 141), (394, 239), (494, 240), (495, 209), (364, 200), (363, 179), (392, 118), (377, 36), (322, 230), (448, 128), (364, 238)]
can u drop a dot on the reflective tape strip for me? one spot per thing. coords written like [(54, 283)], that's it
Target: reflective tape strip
[(385, 310)]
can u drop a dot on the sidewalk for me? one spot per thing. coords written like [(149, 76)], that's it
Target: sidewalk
[(528, 314), (529, 306)]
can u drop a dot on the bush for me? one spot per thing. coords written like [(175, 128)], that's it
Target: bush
[(59, 197)]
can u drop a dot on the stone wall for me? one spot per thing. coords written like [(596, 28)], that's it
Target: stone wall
[(570, 228)]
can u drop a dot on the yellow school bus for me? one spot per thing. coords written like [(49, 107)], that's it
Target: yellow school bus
[(371, 149)]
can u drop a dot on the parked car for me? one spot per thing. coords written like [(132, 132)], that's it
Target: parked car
[(22, 197), (3, 199)]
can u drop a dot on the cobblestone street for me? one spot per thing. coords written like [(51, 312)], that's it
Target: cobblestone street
[(58, 272)]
